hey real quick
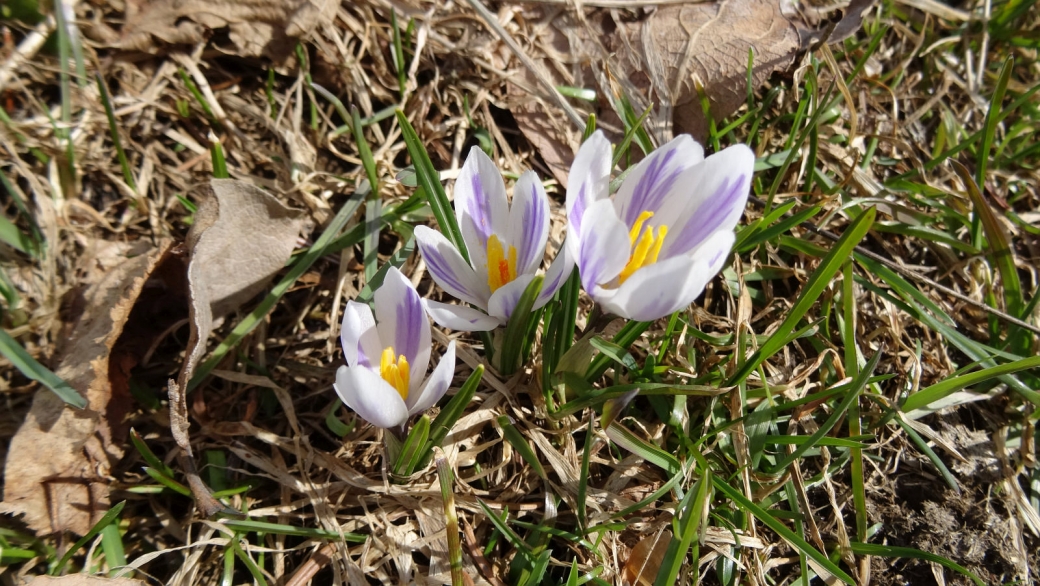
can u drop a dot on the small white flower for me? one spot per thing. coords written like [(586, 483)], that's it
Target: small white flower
[(387, 356), (505, 243)]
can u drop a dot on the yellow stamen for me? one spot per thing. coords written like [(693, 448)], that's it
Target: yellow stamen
[(645, 246), (395, 372), (633, 234), (501, 270)]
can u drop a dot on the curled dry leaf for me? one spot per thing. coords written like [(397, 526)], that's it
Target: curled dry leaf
[(661, 57), (242, 236), (257, 27), (56, 475)]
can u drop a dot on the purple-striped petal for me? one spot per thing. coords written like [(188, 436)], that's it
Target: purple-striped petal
[(603, 245), (662, 288), (402, 319), (371, 397), (358, 335), (655, 179), (480, 204), (450, 270), (528, 222), (461, 318), (716, 201), (558, 273), (504, 300), (589, 181), (435, 386)]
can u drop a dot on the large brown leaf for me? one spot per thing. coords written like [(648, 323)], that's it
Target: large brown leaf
[(659, 58), (242, 236), (56, 475), (257, 27)]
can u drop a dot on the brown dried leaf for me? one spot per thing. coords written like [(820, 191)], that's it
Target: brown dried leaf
[(57, 467), (241, 237), (707, 44), (257, 27), (660, 58)]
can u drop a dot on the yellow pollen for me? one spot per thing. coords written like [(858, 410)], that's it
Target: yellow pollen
[(395, 372), (501, 269), (645, 246)]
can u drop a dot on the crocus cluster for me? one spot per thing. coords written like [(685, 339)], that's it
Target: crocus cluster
[(642, 254)]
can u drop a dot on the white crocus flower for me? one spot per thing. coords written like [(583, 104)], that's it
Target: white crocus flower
[(506, 244), (651, 249), (387, 356)]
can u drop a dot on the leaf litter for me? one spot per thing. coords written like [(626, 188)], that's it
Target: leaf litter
[(311, 477)]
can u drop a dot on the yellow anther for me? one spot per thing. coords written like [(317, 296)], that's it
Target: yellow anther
[(633, 234), (395, 372), (645, 246), (501, 269)]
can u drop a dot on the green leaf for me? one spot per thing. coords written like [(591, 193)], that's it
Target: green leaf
[(451, 412), (103, 522), (28, 366), (643, 449), (893, 551), (773, 523), (411, 451), (944, 388), (820, 280), (858, 384), (430, 181), (519, 443), (517, 328)]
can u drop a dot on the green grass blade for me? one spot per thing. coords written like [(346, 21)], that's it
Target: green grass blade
[(893, 551), (451, 412), (28, 366), (251, 526), (819, 280), (858, 384), (773, 523), (517, 329), (103, 522), (944, 388), (113, 129), (430, 181), (411, 451), (519, 443)]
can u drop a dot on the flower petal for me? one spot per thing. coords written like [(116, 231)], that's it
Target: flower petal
[(370, 397), (603, 245), (716, 202), (558, 273), (655, 180), (480, 204), (667, 286), (435, 386), (589, 181), (504, 300), (461, 318), (358, 335), (449, 269), (528, 228), (402, 320)]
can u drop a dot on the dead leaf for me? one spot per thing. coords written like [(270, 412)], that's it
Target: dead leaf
[(660, 58), (257, 27), (242, 236), (56, 475), (83, 580), (707, 45)]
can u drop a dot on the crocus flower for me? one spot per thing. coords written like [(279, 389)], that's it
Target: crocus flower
[(505, 242), (387, 356), (651, 249)]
